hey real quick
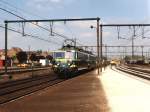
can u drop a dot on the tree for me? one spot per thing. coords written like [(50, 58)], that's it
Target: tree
[(14, 57), (39, 52), (49, 57), (33, 57), (22, 57)]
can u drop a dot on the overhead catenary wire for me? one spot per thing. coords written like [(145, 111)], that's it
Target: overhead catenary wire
[(134, 28), (118, 32), (29, 35), (25, 11), (58, 34), (145, 31), (33, 24), (128, 25), (51, 28), (134, 32), (68, 28)]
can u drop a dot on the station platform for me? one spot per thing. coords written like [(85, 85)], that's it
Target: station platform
[(124, 92), (112, 91)]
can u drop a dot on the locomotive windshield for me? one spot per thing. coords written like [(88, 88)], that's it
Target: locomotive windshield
[(59, 55), (69, 55), (64, 55)]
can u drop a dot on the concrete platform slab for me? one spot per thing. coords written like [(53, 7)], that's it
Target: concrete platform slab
[(125, 93)]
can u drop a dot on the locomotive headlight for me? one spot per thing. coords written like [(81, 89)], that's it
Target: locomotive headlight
[(55, 66), (69, 64), (72, 66)]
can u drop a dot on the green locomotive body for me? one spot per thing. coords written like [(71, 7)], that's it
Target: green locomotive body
[(68, 62)]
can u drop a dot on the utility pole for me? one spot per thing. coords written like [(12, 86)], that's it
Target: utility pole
[(133, 42), (132, 47), (98, 57), (148, 53), (29, 53), (75, 40), (6, 27), (119, 55), (106, 51), (101, 44), (125, 52), (142, 47)]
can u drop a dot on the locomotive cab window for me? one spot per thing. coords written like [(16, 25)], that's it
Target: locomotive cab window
[(69, 55), (59, 54)]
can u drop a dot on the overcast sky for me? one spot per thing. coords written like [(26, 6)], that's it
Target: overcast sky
[(110, 11)]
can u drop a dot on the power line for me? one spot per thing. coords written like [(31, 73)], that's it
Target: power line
[(60, 35), (25, 11), (68, 28), (57, 34), (29, 35)]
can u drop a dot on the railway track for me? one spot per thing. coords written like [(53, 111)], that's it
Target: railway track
[(21, 70), (14, 89), (140, 68), (136, 72)]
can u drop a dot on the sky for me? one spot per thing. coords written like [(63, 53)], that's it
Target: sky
[(110, 11)]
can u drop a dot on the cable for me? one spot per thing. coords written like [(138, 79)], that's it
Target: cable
[(30, 13), (60, 35), (145, 31), (68, 28), (29, 35)]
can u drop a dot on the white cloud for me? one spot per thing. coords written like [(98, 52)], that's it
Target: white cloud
[(83, 25), (123, 20), (59, 30), (44, 5), (55, 1), (42, 1), (87, 34), (107, 34)]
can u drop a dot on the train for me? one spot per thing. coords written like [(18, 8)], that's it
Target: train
[(69, 60), (138, 62), (114, 62)]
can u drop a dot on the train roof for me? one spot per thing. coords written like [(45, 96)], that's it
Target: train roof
[(64, 51), (74, 51)]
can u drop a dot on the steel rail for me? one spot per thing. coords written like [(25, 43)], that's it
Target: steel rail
[(137, 73), (24, 87)]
